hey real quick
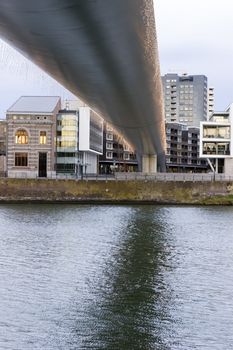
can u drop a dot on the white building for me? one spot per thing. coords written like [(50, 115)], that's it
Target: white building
[(79, 140), (216, 141)]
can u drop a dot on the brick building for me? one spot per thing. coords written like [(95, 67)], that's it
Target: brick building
[(31, 132)]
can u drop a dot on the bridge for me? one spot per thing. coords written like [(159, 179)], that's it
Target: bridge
[(103, 51)]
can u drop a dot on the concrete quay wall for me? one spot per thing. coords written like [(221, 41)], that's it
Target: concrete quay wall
[(157, 192)]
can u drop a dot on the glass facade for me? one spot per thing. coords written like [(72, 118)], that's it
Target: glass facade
[(216, 131), (216, 148), (67, 142)]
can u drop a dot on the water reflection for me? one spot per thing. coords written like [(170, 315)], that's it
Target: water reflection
[(89, 277), (131, 307)]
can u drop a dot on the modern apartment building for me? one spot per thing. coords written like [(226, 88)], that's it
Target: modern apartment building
[(118, 155), (183, 149), (216, 141), (79, 141), (31, 135), (185, 98), (210, 101)]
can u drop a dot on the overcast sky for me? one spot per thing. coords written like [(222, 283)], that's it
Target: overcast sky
[(195, 36)]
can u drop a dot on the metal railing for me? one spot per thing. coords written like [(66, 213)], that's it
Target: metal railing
[(177, 177), (164, 177)]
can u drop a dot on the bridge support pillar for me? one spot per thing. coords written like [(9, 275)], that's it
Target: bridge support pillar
[(149, 163)]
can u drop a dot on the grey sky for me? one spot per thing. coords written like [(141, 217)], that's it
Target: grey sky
[(195, 36), (21, 77)]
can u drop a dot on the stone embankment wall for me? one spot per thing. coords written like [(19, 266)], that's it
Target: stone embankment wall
[(45, 190)]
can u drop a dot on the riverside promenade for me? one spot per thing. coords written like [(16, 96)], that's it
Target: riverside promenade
[(123, 188)]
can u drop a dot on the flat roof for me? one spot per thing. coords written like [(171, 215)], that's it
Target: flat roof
[(34, 104)]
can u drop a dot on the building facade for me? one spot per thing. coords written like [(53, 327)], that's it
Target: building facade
[(67, 142), (79, 141), (216, 141), (31, 135), (3, 128), (185, 98), (183, 149), (118, 155), (210, 101)]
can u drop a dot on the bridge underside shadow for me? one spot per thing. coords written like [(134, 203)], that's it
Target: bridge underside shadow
[(105, 52)]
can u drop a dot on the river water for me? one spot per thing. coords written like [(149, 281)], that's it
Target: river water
[(116, 277)]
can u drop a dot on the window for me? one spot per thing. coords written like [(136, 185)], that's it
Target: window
[(42, 137), (126, 156), (21, 159), (69, 133), (109, 136), (109, 145), (65, 144), (21, 137), (109, 128), (109, 155), (68, 122)]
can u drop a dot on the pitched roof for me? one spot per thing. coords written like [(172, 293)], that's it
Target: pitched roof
[(34, 104)]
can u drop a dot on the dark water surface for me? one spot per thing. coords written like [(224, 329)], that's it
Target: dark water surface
[(109, 277)]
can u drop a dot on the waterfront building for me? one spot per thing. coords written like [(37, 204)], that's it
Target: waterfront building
[(185, 98), (3, 126), (79, 140), (118, 154), (31, 135), (210, 101), (183, 149), (216, 141)]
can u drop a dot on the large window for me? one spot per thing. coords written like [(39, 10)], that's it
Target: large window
[(65, 144), (109, 136), (218, 148), (43, 138), (21, 159), (109, 155), (21, 137), (109, 145), (214, 131)]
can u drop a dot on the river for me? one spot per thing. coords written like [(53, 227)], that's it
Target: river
[(116, 277)]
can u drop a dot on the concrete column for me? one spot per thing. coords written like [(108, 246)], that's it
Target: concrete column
[(228, 168), (216, 165), (149, 163)]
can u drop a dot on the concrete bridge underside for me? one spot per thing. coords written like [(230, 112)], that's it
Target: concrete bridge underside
[(103, 51)]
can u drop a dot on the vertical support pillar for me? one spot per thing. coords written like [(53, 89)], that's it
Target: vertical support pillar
[(149, 163), (216, 166)]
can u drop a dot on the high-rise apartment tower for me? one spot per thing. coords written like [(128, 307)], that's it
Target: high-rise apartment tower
[(185, 98)]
